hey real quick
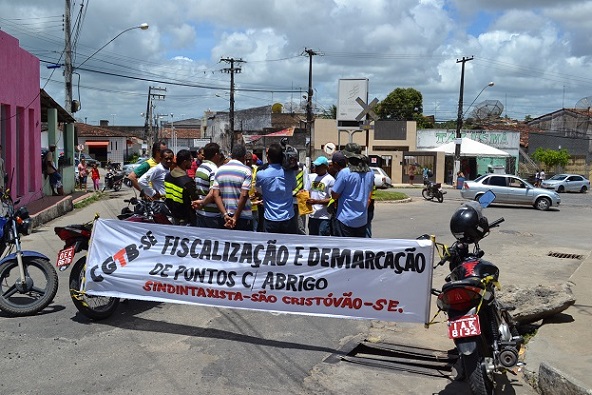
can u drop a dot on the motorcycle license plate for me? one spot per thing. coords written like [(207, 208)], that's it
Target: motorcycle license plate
[(465, 326), (65, 257)]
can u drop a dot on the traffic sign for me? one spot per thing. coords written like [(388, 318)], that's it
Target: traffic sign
[(368, 109)]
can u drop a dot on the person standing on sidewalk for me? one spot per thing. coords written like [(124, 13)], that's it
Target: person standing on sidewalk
[(82, 174), (95, 176), (55, 178)]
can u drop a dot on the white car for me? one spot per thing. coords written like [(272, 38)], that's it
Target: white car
[(381, 179), (567, 183), (128, 168)]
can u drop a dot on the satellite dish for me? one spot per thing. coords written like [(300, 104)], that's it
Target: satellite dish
[(329, 148), (488, 109), (584, 104)]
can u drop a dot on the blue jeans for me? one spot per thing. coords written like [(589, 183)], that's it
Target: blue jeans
[(319, 227)]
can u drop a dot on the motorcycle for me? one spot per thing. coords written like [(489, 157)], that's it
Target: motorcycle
[(432, 190), (28, 281), (76, 239), (482, 328), (113, 179)]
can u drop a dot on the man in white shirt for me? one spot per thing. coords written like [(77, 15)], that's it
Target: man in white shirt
[(320, 185), (154, 178)]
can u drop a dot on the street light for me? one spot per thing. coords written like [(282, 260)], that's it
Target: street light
[(473, 102), (143, 26), (69, 67), (459, 120)]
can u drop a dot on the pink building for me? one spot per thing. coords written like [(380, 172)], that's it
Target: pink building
[(20, 119)]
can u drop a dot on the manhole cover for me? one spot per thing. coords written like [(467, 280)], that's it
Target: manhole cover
[(565, 255)]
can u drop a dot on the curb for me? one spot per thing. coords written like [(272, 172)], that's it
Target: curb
[(60, 208), (552, 381)]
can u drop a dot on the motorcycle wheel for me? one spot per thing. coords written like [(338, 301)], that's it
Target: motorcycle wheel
[(426, 194), (440, 197), (474, 368), (94, 307), (117, 186), (38, 292)]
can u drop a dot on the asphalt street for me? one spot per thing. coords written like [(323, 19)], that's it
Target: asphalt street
[(157, 347)]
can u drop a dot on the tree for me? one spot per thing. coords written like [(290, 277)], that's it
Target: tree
[(331, 113), (403, 104), (551, 158)]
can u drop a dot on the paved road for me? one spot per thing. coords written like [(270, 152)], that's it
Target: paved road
[(156, 348)]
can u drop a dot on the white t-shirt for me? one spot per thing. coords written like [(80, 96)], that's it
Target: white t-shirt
[(320, 188), (154, 178)]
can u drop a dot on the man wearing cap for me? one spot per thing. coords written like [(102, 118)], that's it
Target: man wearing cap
[(352, 190), (55, 178), (321, 182)]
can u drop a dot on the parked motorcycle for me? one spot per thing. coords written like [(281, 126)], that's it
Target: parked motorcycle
[(28, 281), (76, 239), (482, 328), (113, 179), (432, 190)]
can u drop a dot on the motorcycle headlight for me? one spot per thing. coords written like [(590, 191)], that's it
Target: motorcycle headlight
[(25, 226), (22, 212)]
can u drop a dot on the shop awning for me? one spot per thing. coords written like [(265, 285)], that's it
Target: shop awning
[(96, 143)]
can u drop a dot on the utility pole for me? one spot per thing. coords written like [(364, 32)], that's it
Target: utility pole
[(232, 70), (68, 57), (459, 118), (310, 54), (148, 130)]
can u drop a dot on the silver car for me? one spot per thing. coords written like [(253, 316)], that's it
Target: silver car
[(567, 183), (128, 168), (381, 179), (510, 189)]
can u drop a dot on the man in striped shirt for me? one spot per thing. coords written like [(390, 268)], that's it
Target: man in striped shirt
[(232, 184), (207, 212)]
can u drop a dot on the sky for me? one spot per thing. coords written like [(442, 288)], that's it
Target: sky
[(538, 53)]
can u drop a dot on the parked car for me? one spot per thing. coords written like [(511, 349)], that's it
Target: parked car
[(129, 167), (510, 189), (88, 159), (567, 183), (381, 179)]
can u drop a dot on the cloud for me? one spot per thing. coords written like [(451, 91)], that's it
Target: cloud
[(536, 52)]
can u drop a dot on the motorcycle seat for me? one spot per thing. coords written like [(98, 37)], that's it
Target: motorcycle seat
[(469, 281)]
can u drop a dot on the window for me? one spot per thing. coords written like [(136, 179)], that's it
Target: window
[(497, 180), (515, 183)]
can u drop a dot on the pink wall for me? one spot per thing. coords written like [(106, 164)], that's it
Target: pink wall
[(21, 118)]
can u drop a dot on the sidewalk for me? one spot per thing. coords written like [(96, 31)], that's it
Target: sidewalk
[(561, 350)]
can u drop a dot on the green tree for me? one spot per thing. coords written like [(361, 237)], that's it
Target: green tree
[(403, 104), (331, 113), (551, 158)]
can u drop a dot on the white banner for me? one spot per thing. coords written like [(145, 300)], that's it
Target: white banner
[(381, 279)]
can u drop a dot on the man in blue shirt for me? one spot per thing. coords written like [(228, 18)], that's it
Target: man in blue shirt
[(352, 190), (275, 185)]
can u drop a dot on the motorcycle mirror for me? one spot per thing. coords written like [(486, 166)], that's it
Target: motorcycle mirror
[(487, 198)]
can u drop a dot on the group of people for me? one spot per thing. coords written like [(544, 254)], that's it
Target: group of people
[(241, 193), (83, 171)]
